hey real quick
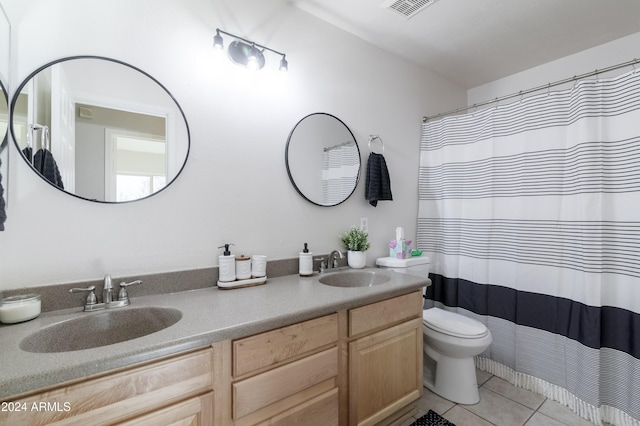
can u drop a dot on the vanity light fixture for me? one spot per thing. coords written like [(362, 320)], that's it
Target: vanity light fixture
[(247, 53)]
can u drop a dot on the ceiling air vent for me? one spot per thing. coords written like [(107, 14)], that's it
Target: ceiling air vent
[(407, 8)]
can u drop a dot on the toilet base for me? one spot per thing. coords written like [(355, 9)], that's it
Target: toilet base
[(453, 379)]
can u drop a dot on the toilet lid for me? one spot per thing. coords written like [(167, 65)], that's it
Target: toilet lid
[(453, 324)]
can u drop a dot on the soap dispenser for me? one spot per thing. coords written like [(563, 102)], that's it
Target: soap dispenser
[(227, 265), (306, 262)]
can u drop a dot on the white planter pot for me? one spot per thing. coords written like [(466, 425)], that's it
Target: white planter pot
[(357, 259)]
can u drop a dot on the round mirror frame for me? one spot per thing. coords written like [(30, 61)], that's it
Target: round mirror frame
[(286, 157), (4, 139), (14, 100)]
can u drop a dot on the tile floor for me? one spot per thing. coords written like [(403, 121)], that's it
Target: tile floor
[(501, 404)]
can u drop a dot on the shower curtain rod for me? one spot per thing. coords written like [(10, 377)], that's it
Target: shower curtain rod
[(329, 148), (631, 63)]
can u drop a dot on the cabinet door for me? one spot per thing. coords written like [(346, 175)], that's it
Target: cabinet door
[(385, 372), (196, 411)]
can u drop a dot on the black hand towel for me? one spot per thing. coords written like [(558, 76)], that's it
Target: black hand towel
[(28, 153), (44, 163), (378, 184)]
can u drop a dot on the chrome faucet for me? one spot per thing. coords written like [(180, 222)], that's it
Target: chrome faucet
[(107, 290), (108, 301), (333, 260)]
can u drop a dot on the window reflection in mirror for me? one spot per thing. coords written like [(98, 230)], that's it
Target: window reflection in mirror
[(114, 133)]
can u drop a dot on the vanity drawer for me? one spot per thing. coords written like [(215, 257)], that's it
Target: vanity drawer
[(270, 348), (286, 386), (384, 314), (117, 396), (322, 410)]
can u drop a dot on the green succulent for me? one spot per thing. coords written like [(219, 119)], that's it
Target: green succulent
[(355, 240)]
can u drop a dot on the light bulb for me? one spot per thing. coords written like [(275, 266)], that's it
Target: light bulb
[(252, 63), (252, 59), (218, 43), (284, 65)]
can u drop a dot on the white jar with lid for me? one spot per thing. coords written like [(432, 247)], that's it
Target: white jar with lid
[(243, 267), (19, 308), (258, 266)]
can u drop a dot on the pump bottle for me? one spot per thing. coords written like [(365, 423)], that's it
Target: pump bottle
[(227, 265), (306, 262)]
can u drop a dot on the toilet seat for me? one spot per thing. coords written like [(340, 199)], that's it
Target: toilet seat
[(453, 324)]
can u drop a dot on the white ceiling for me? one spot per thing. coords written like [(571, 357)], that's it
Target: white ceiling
[(474, 42)]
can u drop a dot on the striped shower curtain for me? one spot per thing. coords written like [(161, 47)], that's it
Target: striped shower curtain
[(530, 213)]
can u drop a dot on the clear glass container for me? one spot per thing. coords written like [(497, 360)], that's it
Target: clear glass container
[(20, 308)]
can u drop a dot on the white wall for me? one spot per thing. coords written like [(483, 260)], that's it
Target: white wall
[(616, 52), (235, 186)]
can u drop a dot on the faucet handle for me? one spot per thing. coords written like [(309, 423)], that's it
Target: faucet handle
[(91, 298), (323, 264), (131, 283), (122, 294)]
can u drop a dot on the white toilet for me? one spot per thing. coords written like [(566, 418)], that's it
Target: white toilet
[(451, 341)]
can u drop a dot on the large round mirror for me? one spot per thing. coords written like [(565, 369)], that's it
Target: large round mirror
[(99, 129), (323, 159)]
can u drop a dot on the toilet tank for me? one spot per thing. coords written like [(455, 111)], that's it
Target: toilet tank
[(418, 265)]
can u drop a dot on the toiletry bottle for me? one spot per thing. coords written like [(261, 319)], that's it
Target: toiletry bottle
[(306, 262), (227, 265)]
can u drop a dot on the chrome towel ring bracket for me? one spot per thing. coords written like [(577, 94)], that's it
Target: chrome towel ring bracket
[(373, 138)]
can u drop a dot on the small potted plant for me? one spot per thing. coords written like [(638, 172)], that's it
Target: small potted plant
[(357, 243)]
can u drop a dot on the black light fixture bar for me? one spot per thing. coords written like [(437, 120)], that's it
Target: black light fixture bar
[(218, 42)]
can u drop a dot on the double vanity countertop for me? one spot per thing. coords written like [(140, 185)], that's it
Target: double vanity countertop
[(208, 315)]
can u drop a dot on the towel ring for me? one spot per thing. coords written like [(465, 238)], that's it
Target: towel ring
[(372, 138)]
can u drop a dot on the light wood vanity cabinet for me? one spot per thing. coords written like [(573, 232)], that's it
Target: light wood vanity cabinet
[(361, 366), (357, 367)]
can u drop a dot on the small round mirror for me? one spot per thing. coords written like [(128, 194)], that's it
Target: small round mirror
[(323, 159), (99, 129)]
